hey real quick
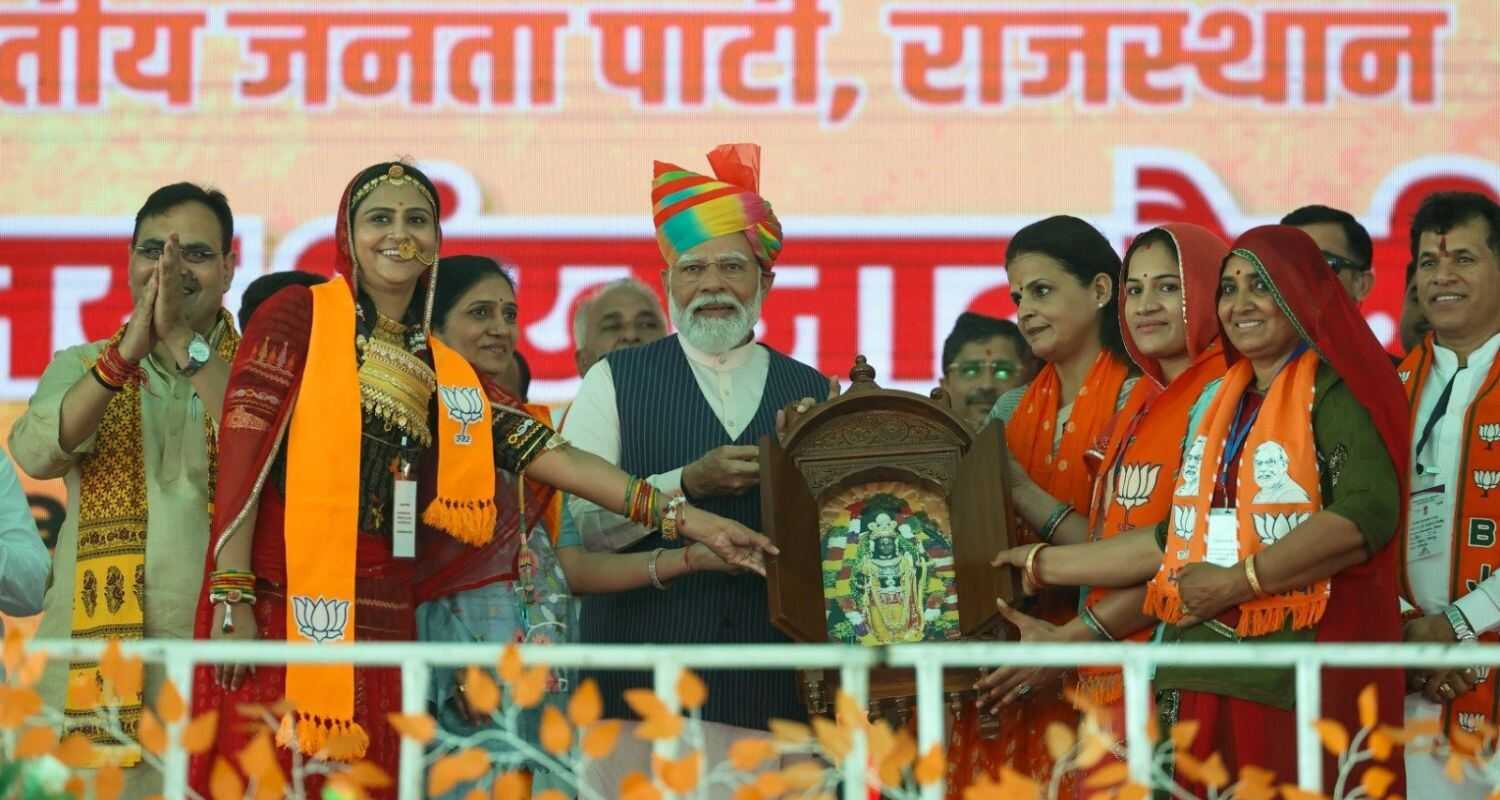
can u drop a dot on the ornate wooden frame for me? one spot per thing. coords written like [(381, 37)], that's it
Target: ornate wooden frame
[(873, 434)]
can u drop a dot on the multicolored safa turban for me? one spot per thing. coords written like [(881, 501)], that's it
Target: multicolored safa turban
[(689, 209)]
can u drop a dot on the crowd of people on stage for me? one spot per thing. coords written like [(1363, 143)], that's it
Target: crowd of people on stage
[(355, 459)]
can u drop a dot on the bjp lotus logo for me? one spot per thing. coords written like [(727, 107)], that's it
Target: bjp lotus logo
[(1272, 527), (1183, 519), (465, 406), (1134, 486), (1486, 479), (320, 620), (1490, 433), (1404, 375)]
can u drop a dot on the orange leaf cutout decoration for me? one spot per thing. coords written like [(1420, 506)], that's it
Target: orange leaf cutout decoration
[(1377, 781), (1092, 748), (599, 741), (1132, 791), (1368, 707), (75, 750), (367, 774), (551, 794), (803, 775), (15, 645), (509, 665), (1214, 774), (29, 671), (36, 742), (109, 781), (645, 703), (420, 728), (748, 792), (556, 736), (1060, 740), (75, 787), (637, 786), (512, 785), (1335, 738), (1465, 742), (1015, 786), (224, 783), (449, 771), (169, 705), (17, 706), (1454, 769), (83, 691), (659, 728), (903, 752), (151, 734), (531, 686), (786, 731), (585, 707), (1291, 792), (771, 784), (692, 692), (929, 769), (1425, 726), (480, 691), (1108, 776), (199, 734), (748, 753), (834, 740), (1183, 734), (111, 662), (680, 775), (258, 759), (1381, 743), (849, 713)]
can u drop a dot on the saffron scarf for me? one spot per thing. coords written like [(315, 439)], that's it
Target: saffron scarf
[(322, 510), (1474, 516), (688, 209), (1134, 488), (1282, 434), (109, 576)]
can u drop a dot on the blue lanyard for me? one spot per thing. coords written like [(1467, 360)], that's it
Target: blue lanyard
[(1238, 432)]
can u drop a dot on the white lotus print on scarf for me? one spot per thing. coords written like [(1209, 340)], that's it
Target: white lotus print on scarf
[(1183, 518), (1134, 485), (320, 620), (465, 406), (1272, 528)]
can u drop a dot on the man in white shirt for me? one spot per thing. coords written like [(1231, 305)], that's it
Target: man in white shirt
[(622, 313), (24, 560), (688, 411), (1450, 554)]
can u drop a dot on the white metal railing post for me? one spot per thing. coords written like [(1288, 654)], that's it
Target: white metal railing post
[(854, 679), (664, 676), (930, 713), (1309, 707), (1137, 711), (416, 682), (174, 763)]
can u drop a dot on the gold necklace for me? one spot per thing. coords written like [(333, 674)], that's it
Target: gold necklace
[(395, 385)]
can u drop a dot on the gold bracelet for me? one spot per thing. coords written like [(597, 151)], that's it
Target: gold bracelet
[(1030, 570), (1252, 577)]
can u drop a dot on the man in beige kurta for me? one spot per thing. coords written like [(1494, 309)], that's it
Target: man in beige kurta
[(180, 266)]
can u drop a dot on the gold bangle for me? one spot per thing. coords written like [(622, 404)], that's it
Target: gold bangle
[(1031, 572), (1253, 578)]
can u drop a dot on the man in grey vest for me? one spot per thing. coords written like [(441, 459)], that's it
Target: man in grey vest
[(688, 410)]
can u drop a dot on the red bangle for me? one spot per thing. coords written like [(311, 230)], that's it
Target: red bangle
[(113, 369)]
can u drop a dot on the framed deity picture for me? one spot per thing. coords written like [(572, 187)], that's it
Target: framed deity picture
[(887, 510)]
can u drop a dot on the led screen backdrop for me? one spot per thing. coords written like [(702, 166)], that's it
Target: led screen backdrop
[(903, 141)]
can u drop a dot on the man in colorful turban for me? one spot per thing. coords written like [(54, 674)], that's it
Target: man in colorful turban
[(688, 410)]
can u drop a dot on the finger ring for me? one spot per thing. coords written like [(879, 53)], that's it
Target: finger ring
[(1024, 690), (1446, 690)]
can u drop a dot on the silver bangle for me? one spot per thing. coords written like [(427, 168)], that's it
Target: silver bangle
[(1462, 630), (651, 569)]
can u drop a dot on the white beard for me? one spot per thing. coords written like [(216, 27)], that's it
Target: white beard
[(715, 335)]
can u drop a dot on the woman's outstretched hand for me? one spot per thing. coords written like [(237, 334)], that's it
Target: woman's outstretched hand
[(729, 540)]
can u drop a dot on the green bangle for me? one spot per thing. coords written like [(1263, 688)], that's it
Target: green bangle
[(1092, 623), (1050, 526)]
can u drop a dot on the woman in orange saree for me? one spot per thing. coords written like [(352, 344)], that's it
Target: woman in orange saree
[(1064, 278)]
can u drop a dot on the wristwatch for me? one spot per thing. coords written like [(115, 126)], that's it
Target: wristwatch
[(1462, 630), (198, 354)]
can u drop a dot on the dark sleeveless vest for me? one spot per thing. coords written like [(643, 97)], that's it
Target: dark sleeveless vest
[(666, 423)]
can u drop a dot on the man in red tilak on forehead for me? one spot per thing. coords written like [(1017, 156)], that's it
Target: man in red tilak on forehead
[(687, 410)]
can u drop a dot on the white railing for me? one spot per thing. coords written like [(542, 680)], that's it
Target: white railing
[(415, 659)]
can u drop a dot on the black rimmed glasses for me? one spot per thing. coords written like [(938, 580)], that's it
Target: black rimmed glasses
[(1338, 263), (193, 254)]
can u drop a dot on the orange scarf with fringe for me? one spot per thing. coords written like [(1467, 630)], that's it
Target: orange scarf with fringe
[(1134, 488), (1269, 505), (322, 510)]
